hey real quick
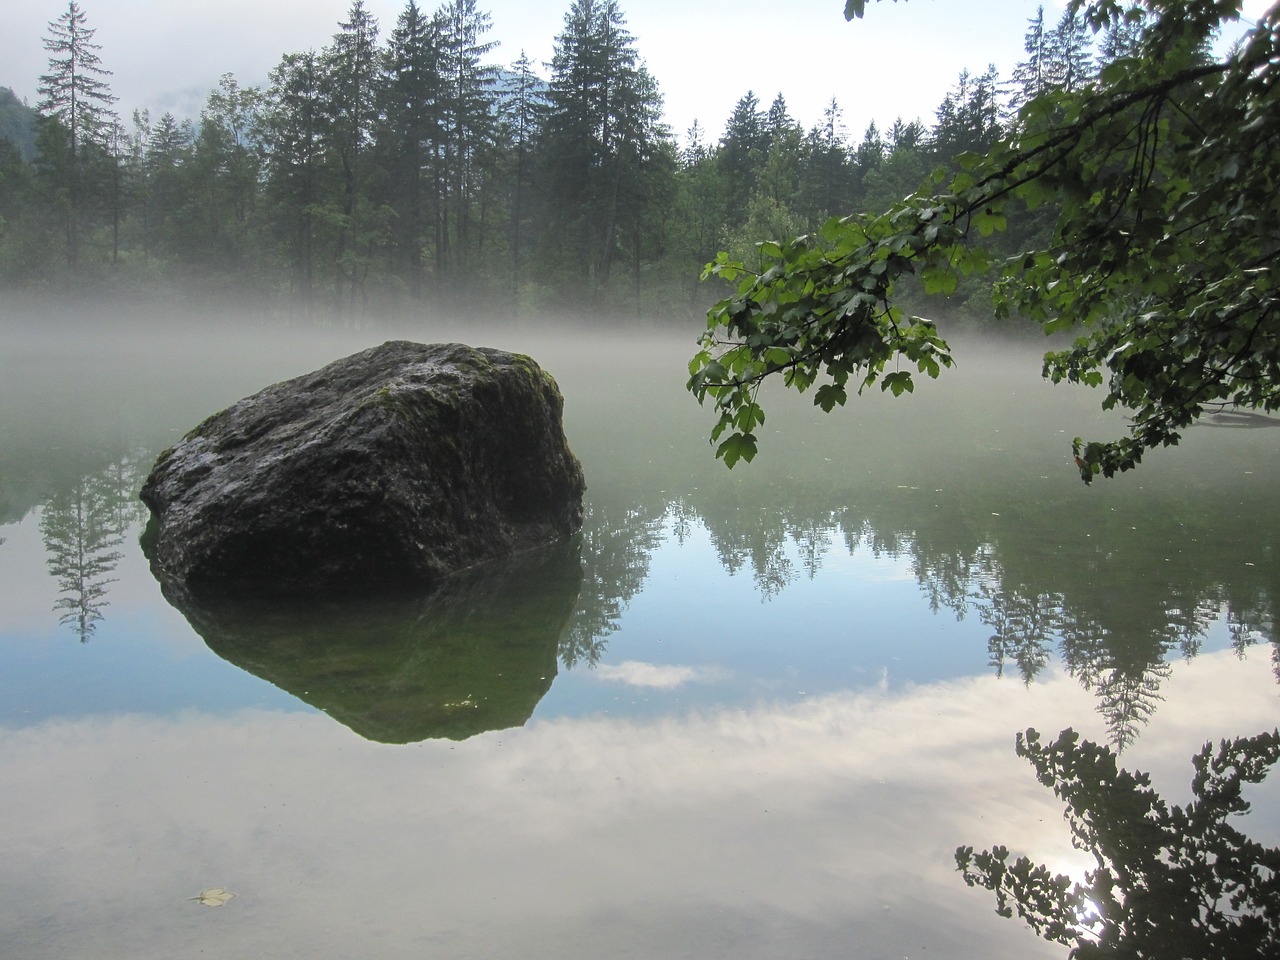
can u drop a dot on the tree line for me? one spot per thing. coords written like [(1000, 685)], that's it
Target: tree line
[(409, 171)]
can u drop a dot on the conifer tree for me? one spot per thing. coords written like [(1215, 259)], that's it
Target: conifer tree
[(744, 147), (521, 117), (468, 107), (826, 176), (228, 163), (1070, 59), (603, 127), (408, 137), (297, 176), (76, 111), (1031, 77), (350, 77), (969, 116), (1121, 37)]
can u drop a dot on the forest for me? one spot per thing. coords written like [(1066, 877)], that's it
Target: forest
[(401, 170)]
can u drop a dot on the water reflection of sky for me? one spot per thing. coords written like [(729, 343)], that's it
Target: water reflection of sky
[(143, 657), (695, 635), (860, 623), (747, 771), (815, 828), (738, 776)]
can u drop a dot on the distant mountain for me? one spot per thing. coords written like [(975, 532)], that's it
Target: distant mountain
[(17, 123)]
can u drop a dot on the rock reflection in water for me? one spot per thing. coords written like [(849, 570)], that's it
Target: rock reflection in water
[(476, 654)]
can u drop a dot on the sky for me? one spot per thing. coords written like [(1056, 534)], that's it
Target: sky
[(899, 61)]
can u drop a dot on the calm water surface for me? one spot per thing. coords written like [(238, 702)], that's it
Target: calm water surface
[(749, 714)]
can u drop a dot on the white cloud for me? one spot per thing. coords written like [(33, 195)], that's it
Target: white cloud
[(634, 673), (818, 828)]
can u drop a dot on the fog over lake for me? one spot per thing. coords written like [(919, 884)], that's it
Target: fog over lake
[(752, 713)]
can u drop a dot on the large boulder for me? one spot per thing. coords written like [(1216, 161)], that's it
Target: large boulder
[(386, 471)]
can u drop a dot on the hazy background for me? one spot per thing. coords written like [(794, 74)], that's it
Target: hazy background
[(897, 62)]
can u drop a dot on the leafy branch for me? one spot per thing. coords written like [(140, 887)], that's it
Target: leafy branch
[(1163, 174)]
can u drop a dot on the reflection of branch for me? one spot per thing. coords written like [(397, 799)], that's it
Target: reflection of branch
[(1168, 881)]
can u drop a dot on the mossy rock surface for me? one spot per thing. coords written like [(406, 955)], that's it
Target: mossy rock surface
[(384, 472)]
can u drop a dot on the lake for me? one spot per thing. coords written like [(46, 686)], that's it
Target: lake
[(749, 713)]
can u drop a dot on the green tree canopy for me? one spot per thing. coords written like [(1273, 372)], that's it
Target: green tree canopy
[(1163, 173)]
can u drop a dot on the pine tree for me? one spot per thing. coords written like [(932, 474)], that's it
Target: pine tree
[(228, 163), (1121, 37), (778, 122), (468, 121), (77, 119), (969, 116), (350, 78), (871, 150), (522, 115), (700, 203), (1070, 60), (1031, 77), (827, 177), (408, 137), (743, 148), (783, 138), (603, 128), (297, 175), (695, 150)]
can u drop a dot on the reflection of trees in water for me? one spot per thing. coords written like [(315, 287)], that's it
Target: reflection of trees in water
[(81, 526), (1113, 605), (1123, 665), (1022, 627), (1166, 881), (1254, 623), (750, 538), (124, 477), (1124, 672), (616, 545), (1122, 657)]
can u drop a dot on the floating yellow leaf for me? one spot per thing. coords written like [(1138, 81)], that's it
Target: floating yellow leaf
[(213, 897)]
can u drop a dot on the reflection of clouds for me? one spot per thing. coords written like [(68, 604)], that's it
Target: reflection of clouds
[(818, 828), (635, 673)]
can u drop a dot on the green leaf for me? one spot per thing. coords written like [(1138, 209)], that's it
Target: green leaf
[(898, 383), (938, 280), (749, 417), (738, 447), (989, 221), (829, 396)]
